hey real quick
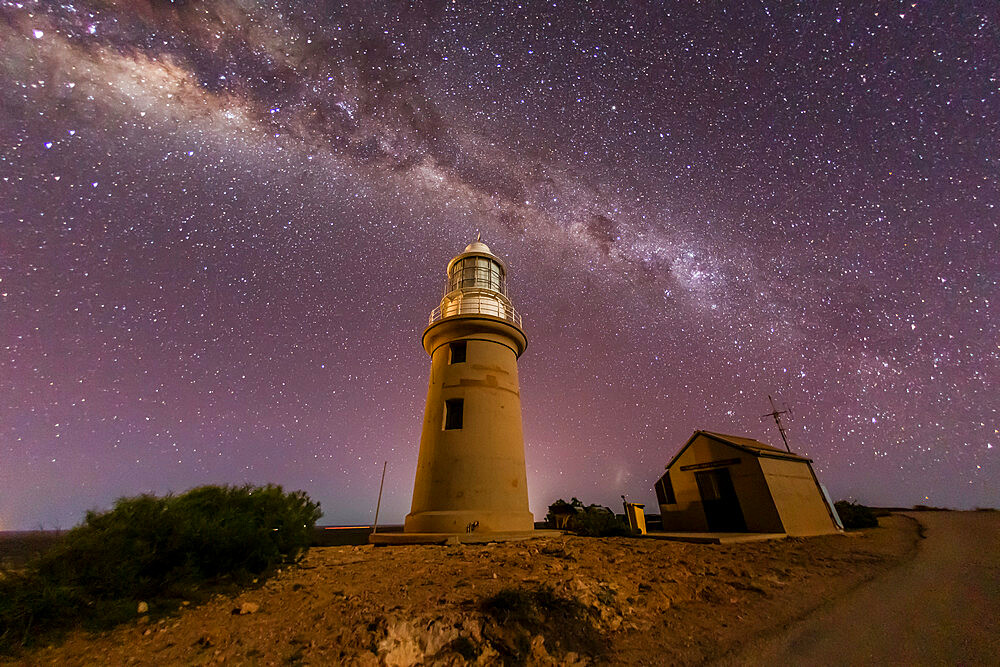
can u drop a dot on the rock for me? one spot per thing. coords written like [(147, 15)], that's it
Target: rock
[(488, 656), (400, 647), (473, 628), (367, 660), (538, 652), (143, 608), (249, 608), (408, 643)]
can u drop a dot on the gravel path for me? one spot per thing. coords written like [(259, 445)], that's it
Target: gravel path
[(942, 607)]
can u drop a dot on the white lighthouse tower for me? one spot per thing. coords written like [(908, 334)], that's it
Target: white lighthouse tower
[(470, 469)]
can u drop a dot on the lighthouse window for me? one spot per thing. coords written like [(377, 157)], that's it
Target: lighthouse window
[(476, 272), (457, 353), (468, 275), (453, 413)]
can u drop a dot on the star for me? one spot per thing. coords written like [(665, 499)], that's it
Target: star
[(223, 233)]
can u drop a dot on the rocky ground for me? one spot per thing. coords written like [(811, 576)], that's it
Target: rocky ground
[(563, 600)]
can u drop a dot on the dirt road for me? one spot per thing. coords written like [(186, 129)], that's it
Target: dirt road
[(941, 607)]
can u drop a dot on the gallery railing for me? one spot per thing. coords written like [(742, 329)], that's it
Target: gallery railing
[(476, 307)]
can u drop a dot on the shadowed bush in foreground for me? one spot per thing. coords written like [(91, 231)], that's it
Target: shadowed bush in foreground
[(855, 516), (150, 548), (515, 616), (20, 547)]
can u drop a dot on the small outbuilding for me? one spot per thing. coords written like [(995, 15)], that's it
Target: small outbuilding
[(726, 484)]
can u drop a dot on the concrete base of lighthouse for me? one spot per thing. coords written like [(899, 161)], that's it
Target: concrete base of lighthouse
[(459, 521), (459, 538)]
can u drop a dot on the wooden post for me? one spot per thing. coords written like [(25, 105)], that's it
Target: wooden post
[(379, 504)]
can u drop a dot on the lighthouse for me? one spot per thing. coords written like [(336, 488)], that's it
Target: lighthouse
[(470, 469)]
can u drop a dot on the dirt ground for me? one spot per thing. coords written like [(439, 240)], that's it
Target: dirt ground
[(568, 600), (941, 607)]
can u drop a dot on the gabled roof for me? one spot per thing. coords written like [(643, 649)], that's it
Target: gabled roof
[(748, 445)]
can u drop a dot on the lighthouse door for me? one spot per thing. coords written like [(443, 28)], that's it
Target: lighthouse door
[(718, 497)]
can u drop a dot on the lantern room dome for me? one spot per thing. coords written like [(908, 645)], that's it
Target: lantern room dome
[(478, 246)]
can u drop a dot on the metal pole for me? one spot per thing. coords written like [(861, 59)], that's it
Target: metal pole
[(776, 415), (777, 420), (379, 504)]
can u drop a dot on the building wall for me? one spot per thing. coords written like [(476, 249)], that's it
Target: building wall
[(475, 473), (751, 488), (798, 498)]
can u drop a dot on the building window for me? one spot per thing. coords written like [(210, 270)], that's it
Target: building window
[(457, 353), (477, 272), (665, 491), (453, 413)]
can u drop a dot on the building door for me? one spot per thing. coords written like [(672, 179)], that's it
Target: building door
[(718, 497)]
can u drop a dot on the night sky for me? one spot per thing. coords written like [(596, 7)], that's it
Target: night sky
[(223, 226)]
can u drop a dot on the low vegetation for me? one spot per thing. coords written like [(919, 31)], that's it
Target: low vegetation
[(585, 520), (157, 551), (17, 548), (855, 516)]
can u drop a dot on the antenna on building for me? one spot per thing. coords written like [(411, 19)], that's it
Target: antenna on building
[(776, 415)]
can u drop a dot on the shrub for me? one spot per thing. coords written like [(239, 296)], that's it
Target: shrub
[(588, 521), (855, 516), (561, 512), (930, 508), (147, 548), (598, 521)]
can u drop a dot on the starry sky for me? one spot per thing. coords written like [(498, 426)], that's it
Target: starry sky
[(223, 226)]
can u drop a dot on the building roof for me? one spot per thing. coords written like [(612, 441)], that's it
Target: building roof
[(748, 445), (477, 246), (476, 249)]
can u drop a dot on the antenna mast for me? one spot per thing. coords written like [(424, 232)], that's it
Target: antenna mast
[(776, 414)]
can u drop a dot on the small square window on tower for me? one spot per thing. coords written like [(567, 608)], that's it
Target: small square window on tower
[(453, 408), (457, 353)]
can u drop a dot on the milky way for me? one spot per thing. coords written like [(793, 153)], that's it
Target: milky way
[(223, 226)]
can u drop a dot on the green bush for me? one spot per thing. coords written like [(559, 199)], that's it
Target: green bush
[(598, 522), (854, 516), (149, 548), (560, 512), (585, 520)]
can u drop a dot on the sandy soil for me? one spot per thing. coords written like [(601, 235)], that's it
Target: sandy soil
[(941, 607), (643, 602)]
